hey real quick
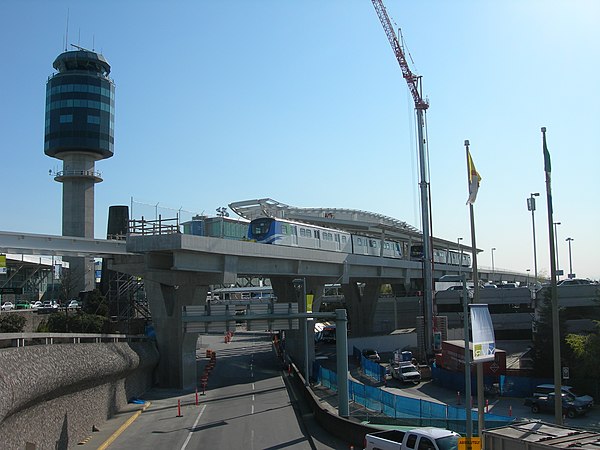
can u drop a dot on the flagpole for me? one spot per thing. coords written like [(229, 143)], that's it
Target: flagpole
[(555, 324), (480, 390)]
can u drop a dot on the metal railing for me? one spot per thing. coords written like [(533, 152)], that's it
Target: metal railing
[(159, 226), (8, 340)]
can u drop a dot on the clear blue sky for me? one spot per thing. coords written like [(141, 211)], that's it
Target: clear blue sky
[(304, 102)]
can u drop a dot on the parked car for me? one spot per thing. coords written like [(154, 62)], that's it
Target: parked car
[(48, 306), (458, 287), (572, 407), (22, 304), (371, 354), (7, 306), (37, 304), (545, 389), (73, 304), (574, 282), (507, 286)]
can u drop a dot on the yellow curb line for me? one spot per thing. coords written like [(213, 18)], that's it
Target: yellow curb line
[(123, 427)]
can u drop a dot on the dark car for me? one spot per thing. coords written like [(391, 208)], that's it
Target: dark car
[(572, 407), (371, 354)]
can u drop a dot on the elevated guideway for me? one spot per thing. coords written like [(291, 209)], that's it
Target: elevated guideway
[(179, 269)]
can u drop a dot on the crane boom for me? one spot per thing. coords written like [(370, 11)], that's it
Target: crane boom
[(411, 79)]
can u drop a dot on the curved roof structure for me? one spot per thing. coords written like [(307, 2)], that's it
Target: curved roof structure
[(347, 219)]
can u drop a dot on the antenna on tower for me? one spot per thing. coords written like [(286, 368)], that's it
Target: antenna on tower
[(67, 32), (93, 42)]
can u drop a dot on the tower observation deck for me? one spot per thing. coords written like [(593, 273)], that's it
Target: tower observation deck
[(79, 130)]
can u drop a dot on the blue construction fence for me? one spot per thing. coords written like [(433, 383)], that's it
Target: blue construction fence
[(370, 368), (396, 409), (502, 385)]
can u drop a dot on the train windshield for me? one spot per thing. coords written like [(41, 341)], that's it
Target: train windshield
[(259, 228)]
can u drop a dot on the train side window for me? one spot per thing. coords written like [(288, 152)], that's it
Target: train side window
[(359, 241), (302, 232), (308, 233), (337, 238), (317, 234)]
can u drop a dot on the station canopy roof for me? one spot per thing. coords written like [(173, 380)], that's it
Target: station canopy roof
[(352, 220)]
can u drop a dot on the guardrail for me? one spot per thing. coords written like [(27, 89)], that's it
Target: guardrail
[(22, 339), (145, 227)]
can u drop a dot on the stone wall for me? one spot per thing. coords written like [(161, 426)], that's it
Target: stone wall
[(52, 395)]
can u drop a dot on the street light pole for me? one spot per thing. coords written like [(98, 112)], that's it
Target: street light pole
[(493, 269), (528, 270), (556, 246), (571, 275), (531, 207), (460, 257)]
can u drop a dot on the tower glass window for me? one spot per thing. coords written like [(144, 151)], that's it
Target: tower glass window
[(80, 105)]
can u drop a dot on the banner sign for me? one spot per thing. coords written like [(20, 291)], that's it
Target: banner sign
[(2, 264), (484, 342), (309, 302)]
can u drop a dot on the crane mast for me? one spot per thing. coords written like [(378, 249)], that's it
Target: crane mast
[(421, 105)]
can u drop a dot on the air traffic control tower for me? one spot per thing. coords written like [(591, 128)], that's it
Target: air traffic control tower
[(80, 106)]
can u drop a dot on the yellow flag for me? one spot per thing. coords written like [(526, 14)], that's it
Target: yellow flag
[(474, 180)]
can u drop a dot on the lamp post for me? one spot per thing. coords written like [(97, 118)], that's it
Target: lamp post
[(460, 258), (571, 274), (531, 207), (222, 213), (493, 269), (528, 270), (556, 247)]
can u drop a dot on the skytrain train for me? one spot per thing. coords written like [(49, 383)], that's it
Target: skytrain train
[(269, 230)]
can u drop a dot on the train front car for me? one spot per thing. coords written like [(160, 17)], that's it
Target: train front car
[(264, 230)]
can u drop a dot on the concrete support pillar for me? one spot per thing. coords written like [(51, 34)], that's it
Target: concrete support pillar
[(361, 307), (167, 296)]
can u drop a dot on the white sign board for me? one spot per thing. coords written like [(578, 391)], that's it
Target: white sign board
[(484, 342)]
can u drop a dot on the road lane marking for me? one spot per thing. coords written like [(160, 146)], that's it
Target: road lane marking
[(187, 440), (123, 427)]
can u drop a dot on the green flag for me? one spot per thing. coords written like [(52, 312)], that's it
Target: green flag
[(547, 166)]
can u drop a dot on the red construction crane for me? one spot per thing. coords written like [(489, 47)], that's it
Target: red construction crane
[(411, 79), (421, 106)]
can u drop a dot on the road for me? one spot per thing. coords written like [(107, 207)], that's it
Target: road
[(247, 405)]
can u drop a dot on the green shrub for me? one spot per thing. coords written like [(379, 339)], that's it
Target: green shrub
[(77, 323), (12, 323)]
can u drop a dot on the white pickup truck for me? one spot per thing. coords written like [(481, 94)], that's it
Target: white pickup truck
[(406, 371), (427, 438)]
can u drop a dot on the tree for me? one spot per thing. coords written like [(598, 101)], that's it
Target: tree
[(12, 323), (586, 350), (543, 345), (585, 365)]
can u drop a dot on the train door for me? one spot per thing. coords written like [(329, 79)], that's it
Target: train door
[(294, 236), (337, 242)]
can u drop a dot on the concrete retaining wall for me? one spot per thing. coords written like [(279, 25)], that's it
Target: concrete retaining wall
[(52, 395)]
